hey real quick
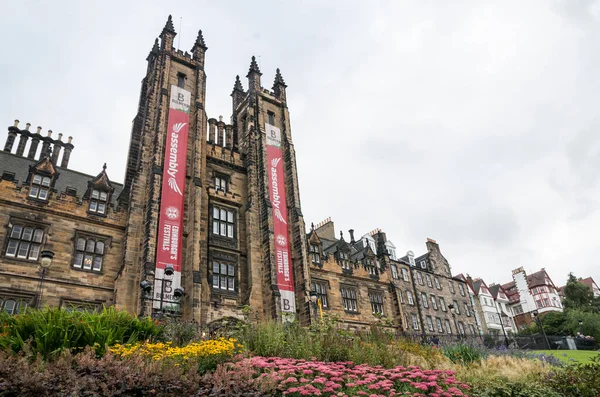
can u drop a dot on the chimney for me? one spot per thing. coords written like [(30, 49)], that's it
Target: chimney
[(67, 153), (57, 146), (23, 140), (351, 232), (35, 141), (326, 229), (220, 131), (12, 134), (212, 124), (46, 141), (229, 136), (432, 245)]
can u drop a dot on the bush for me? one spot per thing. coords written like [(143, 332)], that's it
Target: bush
[(48, 332), (463, 354), (506, 388), (582, 380)]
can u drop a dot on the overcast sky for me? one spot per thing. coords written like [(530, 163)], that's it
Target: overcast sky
[(471, 122)]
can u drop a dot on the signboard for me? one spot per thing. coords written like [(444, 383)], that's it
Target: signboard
[(170, 221), (285, 276)]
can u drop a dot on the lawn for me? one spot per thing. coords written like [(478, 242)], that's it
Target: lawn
[(582, 356)]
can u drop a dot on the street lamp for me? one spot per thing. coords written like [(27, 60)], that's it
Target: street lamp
[(146, 288), (313, 298), (538, 321), (45, 263)]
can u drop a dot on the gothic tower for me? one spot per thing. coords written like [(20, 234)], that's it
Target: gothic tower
[(214, 220)]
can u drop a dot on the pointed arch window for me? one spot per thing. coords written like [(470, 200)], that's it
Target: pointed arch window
[(40, 187), (98, 201)]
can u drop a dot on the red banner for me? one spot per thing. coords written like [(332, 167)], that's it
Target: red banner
[(170, 221), (285, 276)]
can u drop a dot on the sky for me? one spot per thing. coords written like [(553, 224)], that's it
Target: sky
[(474, 123)]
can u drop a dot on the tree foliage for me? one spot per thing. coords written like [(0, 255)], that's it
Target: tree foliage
[(578, 295)]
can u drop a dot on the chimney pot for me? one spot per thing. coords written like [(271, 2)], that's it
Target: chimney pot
[(49, 132), (27, 126), (220, 119), (60, 136), (16, 123), (351, 231), (39, 129), (70, 139)]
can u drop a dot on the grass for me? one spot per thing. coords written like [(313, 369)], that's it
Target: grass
[(581, 356)]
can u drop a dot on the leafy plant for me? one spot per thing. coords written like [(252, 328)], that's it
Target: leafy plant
[(582, 380), (462, 353)]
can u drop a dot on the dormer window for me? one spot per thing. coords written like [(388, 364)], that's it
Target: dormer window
[(370, 266), (315, 254), (98, 201), (40, 187), (344, 259)]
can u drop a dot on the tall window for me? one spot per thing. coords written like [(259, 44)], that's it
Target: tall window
[(442, 304), (40, 186), (344, 258), (271, 116), (221, 183), (461, 328), (467, 311), (98, 201), (456, 307), (223, 222), (424, 300), (434, 302), (180, 80), (447, 326), (321, 290), (404, 274), (24, 242), (376, 299), (370, 265), (461, 289), (89, 254), (223, 277), (420, 278), (349, 300), (438, 322), (451, 285), (472, 329), (401, 295), (415, 321), (13, 305), (315, 255), (429, 283), (437, 283), (429, 323), (394, 271), (409, 297)]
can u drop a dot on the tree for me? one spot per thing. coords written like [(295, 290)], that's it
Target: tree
[(578, 296)]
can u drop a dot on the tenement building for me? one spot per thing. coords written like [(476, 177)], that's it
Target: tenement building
[(207, 223)]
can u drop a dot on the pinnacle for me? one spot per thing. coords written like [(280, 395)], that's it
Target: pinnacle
[(279, 79), (254, 66), (238, 84), (155, 48), (200, 42), (169, 26)]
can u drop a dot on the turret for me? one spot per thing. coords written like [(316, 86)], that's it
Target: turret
[(254, 76), (167, 35)]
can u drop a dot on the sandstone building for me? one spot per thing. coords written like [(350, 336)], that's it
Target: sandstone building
[(207, 222)]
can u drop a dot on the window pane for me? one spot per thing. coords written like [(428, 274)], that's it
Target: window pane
[(100, 248), (215, 280), (223, 269), (230, 216), (215, 267), (27, 234), (46, 181), (98, 263), (34, 252), (93, 205), (78, 260), (230, 231), (95, 194), (37, 179), (23, 250), (81, 244), (231, 270), (223, 229), (103, 196), (10, 305), (43, 194), (87, 262), (231, 283), (33, 192), (215, 213), (11, 250), (215, 227), (38, 235), (101, 208), (223, 215), (16, 232), (90, 245), (223, 282)]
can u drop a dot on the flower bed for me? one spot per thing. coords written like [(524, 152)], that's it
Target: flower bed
[(293, 378)]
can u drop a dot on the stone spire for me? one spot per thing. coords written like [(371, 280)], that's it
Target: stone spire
[(254, 67), (168, 34), (199, 48), (279, 86), (278, 80), (169, 26), (254, 76), (238, 84)]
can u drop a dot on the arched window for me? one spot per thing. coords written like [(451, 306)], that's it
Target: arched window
[(89, 254), (24, 242)]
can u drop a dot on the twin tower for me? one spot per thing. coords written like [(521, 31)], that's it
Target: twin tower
[(214, 217)]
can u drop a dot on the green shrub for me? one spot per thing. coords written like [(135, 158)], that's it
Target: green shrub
[(50, 331), (463, 354), (581, 380), (505, 388)]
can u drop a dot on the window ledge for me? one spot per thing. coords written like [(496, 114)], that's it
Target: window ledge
[(351, 312), (37, 200), (101, 272), (19, 260), (98, 214)]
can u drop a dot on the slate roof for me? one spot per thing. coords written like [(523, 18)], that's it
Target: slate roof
[(19, 166), (494, 289)]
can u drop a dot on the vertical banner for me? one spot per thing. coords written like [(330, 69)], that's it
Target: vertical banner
[(170, 221), (285, 276)]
